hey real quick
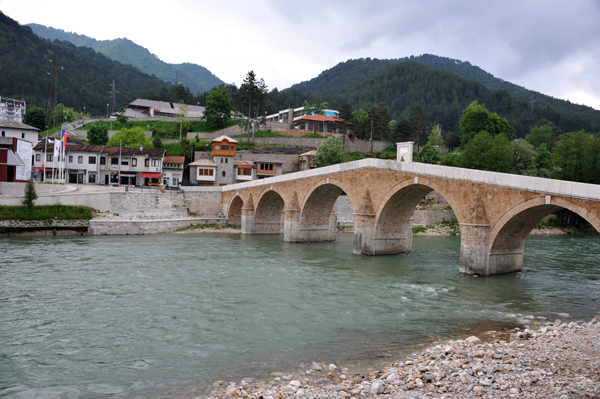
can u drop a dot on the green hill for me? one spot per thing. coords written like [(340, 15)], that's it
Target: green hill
[(442, 87), (196, 77), (83, 79)]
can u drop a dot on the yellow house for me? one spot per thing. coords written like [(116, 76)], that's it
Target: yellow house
[(224, 146)]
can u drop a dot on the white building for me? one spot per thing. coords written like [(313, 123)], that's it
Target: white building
[(15, 129), (141, 108), (203, 172), (11, 109), (172, 172)]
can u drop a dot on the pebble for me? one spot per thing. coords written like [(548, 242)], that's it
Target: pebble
[(555, 360)]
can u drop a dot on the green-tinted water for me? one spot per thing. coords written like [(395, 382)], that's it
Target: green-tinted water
[(147, 316)]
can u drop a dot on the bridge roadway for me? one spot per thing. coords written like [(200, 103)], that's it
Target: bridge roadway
[(496, 211)]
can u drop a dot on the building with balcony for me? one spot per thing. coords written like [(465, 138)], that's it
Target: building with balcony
[(12, 110), (203, 172), (244, 171), (291, 114), (268, 167)]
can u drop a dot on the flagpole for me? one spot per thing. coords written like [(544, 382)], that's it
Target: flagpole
[(53, 160)]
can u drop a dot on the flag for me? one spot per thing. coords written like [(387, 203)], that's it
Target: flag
[(63, 137), (56, 148)]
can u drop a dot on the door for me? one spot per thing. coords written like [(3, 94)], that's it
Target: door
[(106, 179)]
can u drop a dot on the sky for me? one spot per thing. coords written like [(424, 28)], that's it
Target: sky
[(550, 46)]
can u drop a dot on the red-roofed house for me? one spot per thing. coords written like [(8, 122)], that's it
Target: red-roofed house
[(320, 123)]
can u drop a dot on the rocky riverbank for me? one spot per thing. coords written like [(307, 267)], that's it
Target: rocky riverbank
[(552, 360)]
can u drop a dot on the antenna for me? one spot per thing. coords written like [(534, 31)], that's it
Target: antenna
[(53, 92), (113, 97)]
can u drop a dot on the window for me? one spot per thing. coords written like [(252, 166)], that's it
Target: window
[(22, 135), (221, 159), (80, 159), (70, 158), (3, 134), (156, 162), (92, 160), (102, 160), (225, 147), (92, 178), (38, 157), (216, 147), (114, 161), (125, 161), (147, 163), (224, 174), (48, 157), (133, 161), (226, 160)]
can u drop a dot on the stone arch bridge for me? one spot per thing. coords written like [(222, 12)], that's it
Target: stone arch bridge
[(496, 211)]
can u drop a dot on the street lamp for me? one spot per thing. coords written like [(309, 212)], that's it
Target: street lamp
[(106, 111), (84, 112), (120, 143)]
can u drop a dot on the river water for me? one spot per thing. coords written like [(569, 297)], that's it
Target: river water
[(159, 316)]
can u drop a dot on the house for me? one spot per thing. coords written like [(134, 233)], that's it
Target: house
[(244, 171), (97, 164), (16, 129), (223, 151), (268, 167), (320, 123), (306, 160), (203, 172), (172, 173), (15, 159), (11, 109), (141, 108), (290, 115)]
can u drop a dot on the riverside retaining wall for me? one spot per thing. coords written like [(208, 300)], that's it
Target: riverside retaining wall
[(154, 226)]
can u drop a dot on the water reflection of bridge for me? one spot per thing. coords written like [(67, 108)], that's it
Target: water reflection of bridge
[(496, 211)]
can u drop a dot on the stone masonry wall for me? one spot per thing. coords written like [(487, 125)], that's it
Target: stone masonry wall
[(204, 201), (148, 204), (18, 189), (137, 227)]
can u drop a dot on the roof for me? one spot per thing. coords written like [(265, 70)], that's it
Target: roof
[(203, 162), (12, 124), (312, 152), (319, 118), (223, 138), (244, 164), (269, 160), (172, 159), (124, 151), (163, 105)]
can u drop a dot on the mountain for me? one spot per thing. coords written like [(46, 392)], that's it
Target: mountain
[(357, 81), (84, 76), (196, 77)]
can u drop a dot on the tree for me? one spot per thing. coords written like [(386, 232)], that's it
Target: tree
[(360, 119), (435, 137), (345, 113), (182, 117), (30, 194), (218, 107), (157, 142), (476, 119), (543, 161), (403, 131), (419, 126), (577, 157), (121, 118), (524, 153), (539, 135), (485, 152), (453, 141), (331, 152), (380, 119), (428, 154), (132, 137), (314, 109), (36, 117), (98, 134), (252, 93)]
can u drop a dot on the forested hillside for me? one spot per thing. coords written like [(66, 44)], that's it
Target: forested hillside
[(84, 76), (401, 86), (196, 77)]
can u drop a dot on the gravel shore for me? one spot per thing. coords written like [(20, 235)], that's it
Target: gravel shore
[(554, 360)]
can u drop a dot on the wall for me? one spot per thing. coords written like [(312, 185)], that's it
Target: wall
[(351, 146), (82, 134), (203, 200), (147, 204), (18, 189), (429, 218), (137, 227), (99, 201), (290, 165)]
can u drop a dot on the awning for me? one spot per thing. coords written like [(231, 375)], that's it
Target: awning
[(44, 169), (124, 175), (13, 159), (151, 175)]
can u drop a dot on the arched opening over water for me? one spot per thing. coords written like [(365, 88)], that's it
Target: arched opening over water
[(234, 212), (319, 204), (269, 217), (509, 234)]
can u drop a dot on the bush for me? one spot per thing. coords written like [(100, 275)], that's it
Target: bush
[(30, 194)]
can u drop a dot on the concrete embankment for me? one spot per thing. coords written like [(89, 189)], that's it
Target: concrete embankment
[(102, 226), (40, 228)]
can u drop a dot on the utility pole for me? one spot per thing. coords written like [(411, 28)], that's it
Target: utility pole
[(371, 136)]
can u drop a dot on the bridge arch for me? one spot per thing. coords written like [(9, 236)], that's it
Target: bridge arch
[(317, 204), (234, 210), (268, 215), (508, 235)]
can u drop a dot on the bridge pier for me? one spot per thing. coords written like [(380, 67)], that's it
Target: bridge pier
[(295, 231), (251, 226), (369, 240), (248, 220), (476, 256)]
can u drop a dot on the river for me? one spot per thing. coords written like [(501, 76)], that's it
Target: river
[(162, 315)]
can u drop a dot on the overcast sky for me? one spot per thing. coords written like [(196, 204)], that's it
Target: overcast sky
[(550, 46)]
